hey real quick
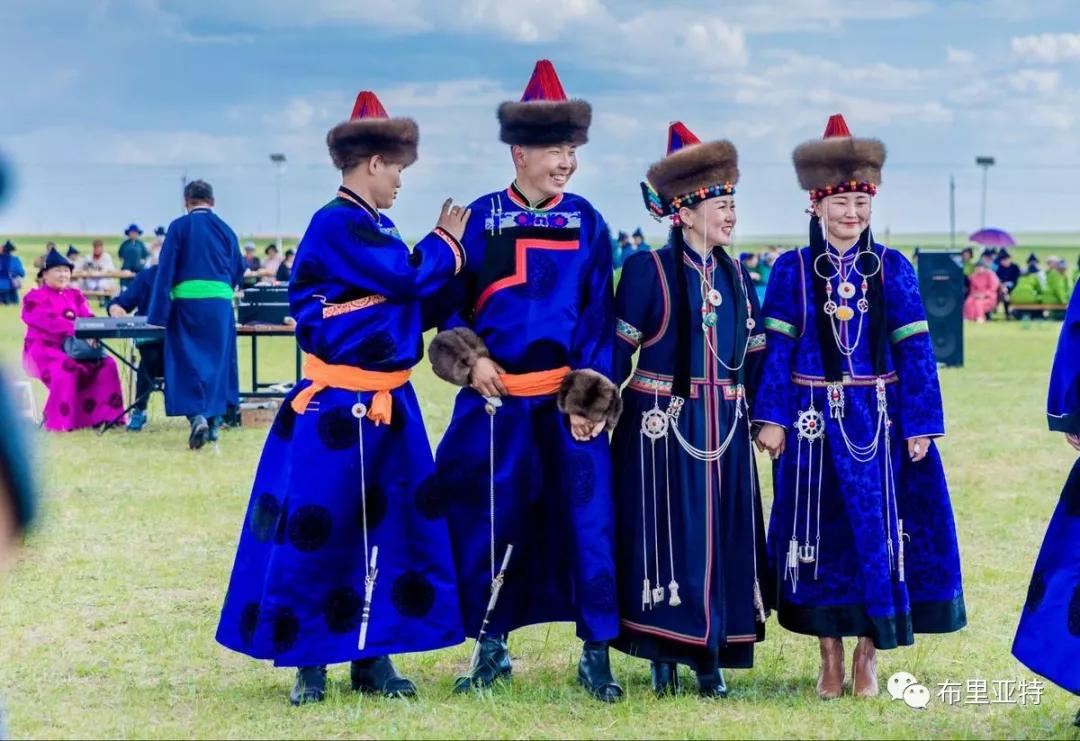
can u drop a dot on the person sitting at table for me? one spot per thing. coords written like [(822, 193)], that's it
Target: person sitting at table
[(82, 393), (284, 270), (136, 298), (271, 263), (99, 261), (983, 295)]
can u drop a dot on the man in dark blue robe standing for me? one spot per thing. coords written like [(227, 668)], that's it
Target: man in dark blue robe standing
[(199, 268)]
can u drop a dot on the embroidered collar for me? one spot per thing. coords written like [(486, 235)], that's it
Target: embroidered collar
[(347, 195), (518, 197)]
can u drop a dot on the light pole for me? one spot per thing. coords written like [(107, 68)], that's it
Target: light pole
[(985, 163), (279, 160)]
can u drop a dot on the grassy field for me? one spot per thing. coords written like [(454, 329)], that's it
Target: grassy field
[(107, 621)]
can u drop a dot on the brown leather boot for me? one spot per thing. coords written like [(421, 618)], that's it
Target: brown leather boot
[(864, 680), (830, 684)]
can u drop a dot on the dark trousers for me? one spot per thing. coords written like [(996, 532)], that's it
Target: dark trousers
[(151, 366)]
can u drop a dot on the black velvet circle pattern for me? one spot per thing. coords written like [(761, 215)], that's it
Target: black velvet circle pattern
[(309, 527), (413, 594), (338, 428), (342, 609), (264, 516)]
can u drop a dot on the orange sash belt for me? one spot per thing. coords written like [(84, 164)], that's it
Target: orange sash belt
[(323, 375), (540, 383)]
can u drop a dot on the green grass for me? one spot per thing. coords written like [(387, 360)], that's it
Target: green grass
[(107, 621)]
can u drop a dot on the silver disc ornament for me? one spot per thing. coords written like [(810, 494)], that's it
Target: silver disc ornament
[(654, 423), (810, 424)]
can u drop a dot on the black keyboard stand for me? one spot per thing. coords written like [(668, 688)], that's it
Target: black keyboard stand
[(156, 384)]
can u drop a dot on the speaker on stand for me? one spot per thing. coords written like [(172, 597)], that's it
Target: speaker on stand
[(942, 285)]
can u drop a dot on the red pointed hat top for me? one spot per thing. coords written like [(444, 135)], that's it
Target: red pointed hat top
[(368, 106), (679, 136), (544, 84), (837, 127)]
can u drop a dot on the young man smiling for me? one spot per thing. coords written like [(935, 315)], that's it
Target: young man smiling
[(528, 329)]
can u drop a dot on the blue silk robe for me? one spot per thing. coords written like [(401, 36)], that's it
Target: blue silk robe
[(538, 292), (857, 590), (717, 545), (1048, 638), (297, 587), (200, 333)]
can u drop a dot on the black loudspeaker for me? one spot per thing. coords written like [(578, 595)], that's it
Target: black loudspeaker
[(942, 285), (264, 305)]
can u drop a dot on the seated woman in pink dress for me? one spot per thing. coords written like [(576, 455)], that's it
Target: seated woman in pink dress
[(983, 294), (81, 394)]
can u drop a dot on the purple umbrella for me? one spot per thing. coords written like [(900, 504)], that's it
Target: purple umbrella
[(993, 238)]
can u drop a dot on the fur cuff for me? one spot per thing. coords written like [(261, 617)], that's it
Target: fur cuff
[(454, 352), (591, 395)]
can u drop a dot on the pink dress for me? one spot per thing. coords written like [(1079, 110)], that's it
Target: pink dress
[(982, 296), (80, 394)]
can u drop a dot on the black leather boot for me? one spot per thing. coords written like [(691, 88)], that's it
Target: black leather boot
[(492, 664), (665, 678), (594, 672), (712, 684), (378, 676), (200, 431), (310, 685)]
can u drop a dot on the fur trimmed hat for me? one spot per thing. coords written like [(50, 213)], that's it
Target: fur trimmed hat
[(544, 115), (691, 172), (839, 162), (370, 131)]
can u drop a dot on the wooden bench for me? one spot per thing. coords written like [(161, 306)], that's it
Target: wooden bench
[(1038, 307), (102, 294)]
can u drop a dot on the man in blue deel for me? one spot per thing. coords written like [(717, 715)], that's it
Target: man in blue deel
[(532, 323), (199, 268)]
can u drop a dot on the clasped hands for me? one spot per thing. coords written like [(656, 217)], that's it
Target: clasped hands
[(485, 379)]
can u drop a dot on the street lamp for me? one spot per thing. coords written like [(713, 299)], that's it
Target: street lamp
[(279, 160), (985, 163)]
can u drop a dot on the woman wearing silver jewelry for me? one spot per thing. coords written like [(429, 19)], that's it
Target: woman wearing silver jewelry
[(862, 541), (690, 534)]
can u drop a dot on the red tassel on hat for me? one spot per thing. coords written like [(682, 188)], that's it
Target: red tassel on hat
[(836, 127), (544, 84), (368, 106), (679, 136)]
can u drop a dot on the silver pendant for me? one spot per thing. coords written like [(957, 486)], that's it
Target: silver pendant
[(492, 405), (646, 594), (846, 289), (793, 554), (359, 410), (673, 590), (715, 297), (750, 324), (829, 308), (807, 554), (709, 320), (810, 425), (657, 594), (654, 423), (863, 305)]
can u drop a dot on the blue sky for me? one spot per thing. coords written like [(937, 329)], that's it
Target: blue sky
[(107, 105)]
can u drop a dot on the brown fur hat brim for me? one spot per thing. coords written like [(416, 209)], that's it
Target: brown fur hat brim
[(825, 163), (396, 139), (541, 122), (591, 395), (453, 353), (694, 167)]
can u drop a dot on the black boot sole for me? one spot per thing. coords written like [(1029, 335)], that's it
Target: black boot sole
[(468, 682)]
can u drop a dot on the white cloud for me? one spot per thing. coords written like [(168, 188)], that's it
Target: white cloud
[(1048, 48), (959, 56), (1038, 81)]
